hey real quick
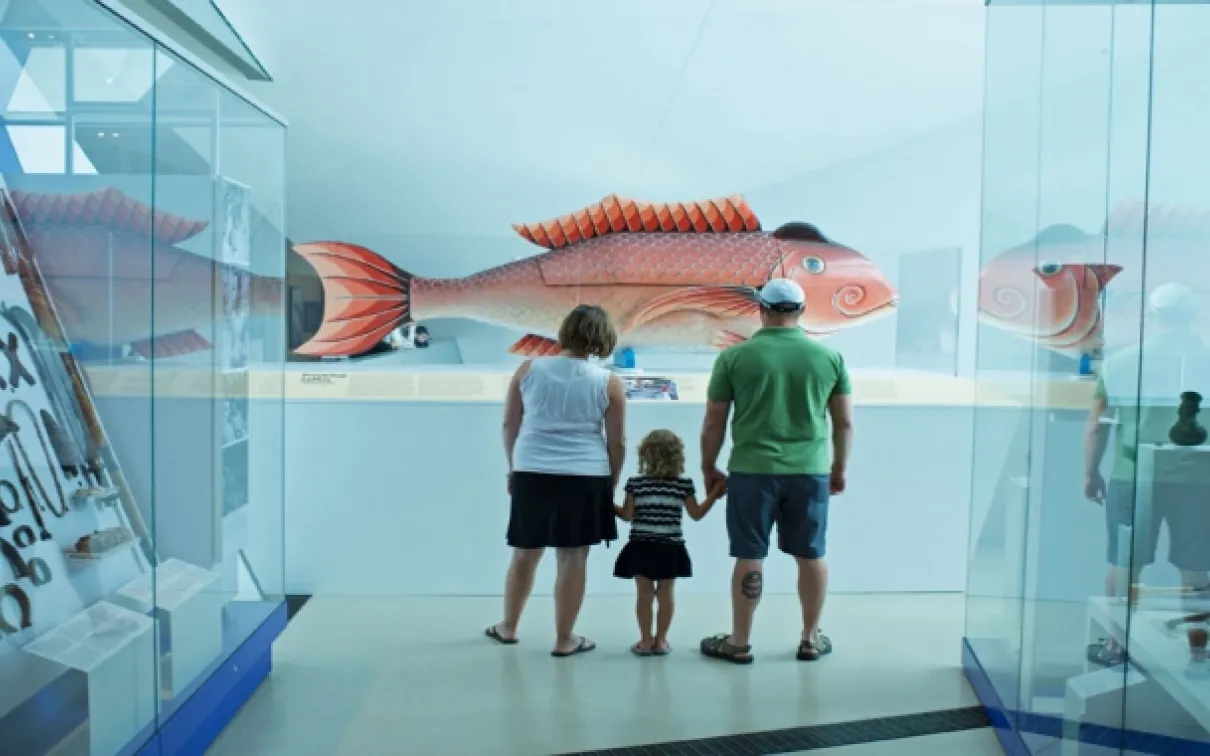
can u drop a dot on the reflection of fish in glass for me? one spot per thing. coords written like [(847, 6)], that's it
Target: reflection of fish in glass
[(1049, 290), (102, 253), (669, 274)]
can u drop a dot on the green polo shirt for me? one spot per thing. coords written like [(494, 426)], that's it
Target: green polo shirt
[(779, 383)]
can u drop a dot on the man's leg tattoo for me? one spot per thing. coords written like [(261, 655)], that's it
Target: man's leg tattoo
[(752, 584)]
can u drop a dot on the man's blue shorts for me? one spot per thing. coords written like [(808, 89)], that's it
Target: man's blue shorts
[(798, 504)]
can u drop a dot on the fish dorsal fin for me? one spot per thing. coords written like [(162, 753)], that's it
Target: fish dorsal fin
[(109, 208), (798, 231), (1130, 218), (615, 214), (1061, 233)]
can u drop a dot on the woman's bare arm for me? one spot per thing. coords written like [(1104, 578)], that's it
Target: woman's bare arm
[(513, 412), (615, 428)]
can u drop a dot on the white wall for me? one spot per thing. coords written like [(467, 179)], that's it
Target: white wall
[(417, 504)]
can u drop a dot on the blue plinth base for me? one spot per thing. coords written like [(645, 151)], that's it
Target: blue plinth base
[(199, 718), (1012, 726)]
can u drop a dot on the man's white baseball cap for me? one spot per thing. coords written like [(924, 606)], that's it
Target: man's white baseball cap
[(782, 295), (1173, 298)]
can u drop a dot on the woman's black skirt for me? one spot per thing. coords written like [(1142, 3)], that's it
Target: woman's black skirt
[(560, 511)]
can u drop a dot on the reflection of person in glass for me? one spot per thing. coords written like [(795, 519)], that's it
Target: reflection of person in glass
[(420, 337), (1140, 396)]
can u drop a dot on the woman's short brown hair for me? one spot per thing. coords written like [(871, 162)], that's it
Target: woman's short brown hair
[(588, 331), (662, 455)]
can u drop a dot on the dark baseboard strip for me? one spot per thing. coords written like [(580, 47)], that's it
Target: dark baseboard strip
[(294, 603), (809, 738)]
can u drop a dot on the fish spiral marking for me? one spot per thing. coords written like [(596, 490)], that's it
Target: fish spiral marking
[(848, 298), (1013, 302)]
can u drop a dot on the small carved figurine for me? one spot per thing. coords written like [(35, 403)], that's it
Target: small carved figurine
[(1187, 431)]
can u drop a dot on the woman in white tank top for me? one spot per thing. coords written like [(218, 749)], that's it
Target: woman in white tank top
[(563, 435)]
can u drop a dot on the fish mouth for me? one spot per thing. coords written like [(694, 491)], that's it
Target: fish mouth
[(882, 310), (1004, 324), (875, 313)]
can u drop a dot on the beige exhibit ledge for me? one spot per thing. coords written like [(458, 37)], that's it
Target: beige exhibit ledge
[(465, 384)]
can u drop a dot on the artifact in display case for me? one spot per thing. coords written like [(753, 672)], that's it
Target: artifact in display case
[(54, 448), (678, 275), (1187, 431), (101, 542)]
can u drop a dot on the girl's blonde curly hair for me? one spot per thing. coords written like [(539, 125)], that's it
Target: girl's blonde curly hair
[(662, 455)]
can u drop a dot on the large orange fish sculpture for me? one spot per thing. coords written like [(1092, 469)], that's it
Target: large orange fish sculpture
[(670, 274), (100, 254)]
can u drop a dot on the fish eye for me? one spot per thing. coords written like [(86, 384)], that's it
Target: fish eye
[(813, 264), (1049, 267)]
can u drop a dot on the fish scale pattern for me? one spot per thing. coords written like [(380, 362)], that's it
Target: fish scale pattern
[(109, 208), (615, 214), (744, 259)]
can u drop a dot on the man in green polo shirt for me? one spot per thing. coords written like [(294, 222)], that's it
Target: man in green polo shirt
[(1138, 395), (780, 386)]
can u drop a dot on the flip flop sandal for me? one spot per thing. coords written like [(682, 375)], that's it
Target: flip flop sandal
[(718, 647), (638, 650), (583, 647), (495, 635), (661, 651), (810, 651), (1102, 655)]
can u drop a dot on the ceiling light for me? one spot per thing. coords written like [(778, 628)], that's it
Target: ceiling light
[(115, 135), (101, 134), (108, 79), (30, 35)]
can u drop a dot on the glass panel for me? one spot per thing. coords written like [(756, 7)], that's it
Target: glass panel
[(1002, 416), (39, 149), (193, 580), (82, 677), (252, 348), (108, 73), (40, 68), (1163, 459), (1103, 156)]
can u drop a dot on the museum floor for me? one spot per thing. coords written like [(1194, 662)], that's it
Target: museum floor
[(399, 675)]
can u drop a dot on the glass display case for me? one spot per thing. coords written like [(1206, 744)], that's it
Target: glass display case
[(143, 342), (1089, 544)]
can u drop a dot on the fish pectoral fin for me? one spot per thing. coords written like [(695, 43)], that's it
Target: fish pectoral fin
[(530, 345), (718, 301), (171, 345), (726, 339)]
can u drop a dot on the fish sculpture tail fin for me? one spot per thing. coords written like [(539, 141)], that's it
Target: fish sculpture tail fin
[(365, 298)]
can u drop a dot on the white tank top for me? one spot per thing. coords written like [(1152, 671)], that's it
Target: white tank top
[(563, 420)]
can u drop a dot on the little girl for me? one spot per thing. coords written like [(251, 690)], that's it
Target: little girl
[(656, 556)]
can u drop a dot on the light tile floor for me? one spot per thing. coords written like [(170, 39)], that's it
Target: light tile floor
[(397, 676)]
